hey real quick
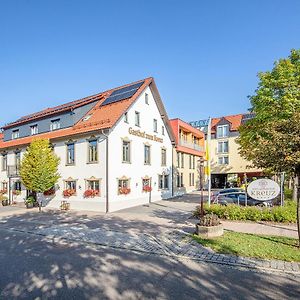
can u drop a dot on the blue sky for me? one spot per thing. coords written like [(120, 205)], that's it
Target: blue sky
[(204, 55)]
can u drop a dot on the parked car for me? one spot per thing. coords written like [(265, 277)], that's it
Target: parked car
[(237, 196)]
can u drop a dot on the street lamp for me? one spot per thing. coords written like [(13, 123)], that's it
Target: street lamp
[(201, 184)]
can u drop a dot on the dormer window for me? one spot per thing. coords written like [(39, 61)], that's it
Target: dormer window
[(222, 131), (34, 129), (15, 134), (55, 124)]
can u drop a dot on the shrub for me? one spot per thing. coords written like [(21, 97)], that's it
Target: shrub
[(284, 214), (30, 200), (209, 220)]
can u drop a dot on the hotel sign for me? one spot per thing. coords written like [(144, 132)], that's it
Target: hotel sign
[(263, 189), (145, 135)]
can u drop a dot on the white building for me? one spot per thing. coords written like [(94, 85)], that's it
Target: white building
[(114, 147)]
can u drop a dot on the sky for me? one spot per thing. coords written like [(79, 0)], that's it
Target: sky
[(204, 55)]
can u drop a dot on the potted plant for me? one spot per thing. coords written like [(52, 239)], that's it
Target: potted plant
[(30, 202), (124, 191), (147, 188), (4, 191), (68, 193), (4, 200), (91, 193), (209, 226)]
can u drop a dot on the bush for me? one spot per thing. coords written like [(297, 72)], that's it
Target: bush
[(285, 214)]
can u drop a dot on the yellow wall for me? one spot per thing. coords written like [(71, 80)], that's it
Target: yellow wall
[(236, 163)]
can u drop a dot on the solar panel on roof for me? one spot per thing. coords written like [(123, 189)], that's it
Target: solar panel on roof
[(247, 117), (123, 93)]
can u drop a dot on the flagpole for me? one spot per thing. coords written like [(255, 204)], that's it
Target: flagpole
[(208, 144)]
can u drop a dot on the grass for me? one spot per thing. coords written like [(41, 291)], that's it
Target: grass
[(251, 245)]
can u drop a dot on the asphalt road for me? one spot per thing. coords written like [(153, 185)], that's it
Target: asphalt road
[(34, 267)]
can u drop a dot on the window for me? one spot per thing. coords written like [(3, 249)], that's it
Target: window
[(182, 160), (18, 158), (154, 125), (55, 124), (223, 160), (147, 155), (17, 186), (145, 183), (4, 186), (93, 185), (15, 134), (222, 131), (190, 161), (70, 185), (70, 154), (192, 179), (123, 183), (178, 159), (193, 162), (4, 162), (146, 98), (163, 130), (93, 151), (163, 182), (126, 117), (137, 118), (163, 157), (34, 129), (126, 152), (179, 179), (223, 147)]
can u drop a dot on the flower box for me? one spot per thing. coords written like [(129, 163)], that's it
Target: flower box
[(69, 193), (50, 192), (124, 191), (209, 231), (147, 188), (91, 193)]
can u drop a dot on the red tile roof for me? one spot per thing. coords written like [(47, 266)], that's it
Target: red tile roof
[(177, 124), (234, 120), (101, 117)]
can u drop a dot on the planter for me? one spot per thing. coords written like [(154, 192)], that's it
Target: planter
[(29, 205), (208, 232), (5, 202)]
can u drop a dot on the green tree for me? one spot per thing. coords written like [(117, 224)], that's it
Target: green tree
[(39, 167), (271, 140)]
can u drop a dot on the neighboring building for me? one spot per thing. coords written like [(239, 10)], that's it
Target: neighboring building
[(116, 144), (227, 166), (186, 154)]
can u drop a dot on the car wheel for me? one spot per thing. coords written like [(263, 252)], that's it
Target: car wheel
[(263, 204)]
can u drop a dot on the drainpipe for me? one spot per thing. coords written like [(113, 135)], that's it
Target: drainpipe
[(106, 181)]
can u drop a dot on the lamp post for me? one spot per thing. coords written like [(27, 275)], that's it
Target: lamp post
[(201, 167)]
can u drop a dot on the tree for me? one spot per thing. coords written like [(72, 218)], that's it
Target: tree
[(271, 140), (39, 167)]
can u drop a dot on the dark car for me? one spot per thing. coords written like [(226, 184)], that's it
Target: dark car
[(239, 197)]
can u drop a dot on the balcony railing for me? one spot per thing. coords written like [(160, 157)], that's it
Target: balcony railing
[(191, 145), (13, 171)]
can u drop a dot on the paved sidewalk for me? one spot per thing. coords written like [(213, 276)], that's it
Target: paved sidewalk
[(175, 243), (263, 228)]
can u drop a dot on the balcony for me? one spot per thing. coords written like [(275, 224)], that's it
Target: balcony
[(13, 171), (191, 145)]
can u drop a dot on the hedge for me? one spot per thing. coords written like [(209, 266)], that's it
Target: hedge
[(285, 214)]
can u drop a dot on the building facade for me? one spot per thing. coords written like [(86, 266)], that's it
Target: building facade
[(227, 166), (189, 149), (115, 147)]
